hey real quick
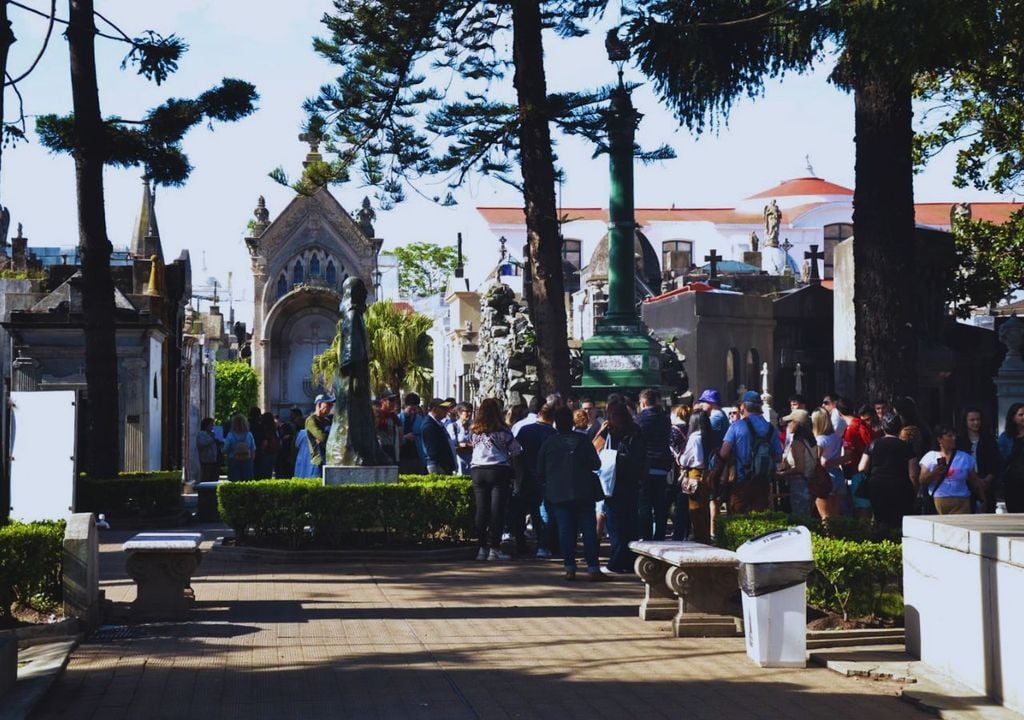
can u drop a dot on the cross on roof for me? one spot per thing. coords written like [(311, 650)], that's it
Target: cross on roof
[(813, 255), (714, 258)]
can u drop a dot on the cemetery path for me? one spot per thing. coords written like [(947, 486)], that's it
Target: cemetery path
[(435, 640)]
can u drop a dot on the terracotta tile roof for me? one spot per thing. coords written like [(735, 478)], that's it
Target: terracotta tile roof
[(803, 186), (925, 213), (938, 213), (517, 216)]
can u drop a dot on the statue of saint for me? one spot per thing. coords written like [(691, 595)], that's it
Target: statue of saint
[(754, 240), (353, 438), (365, 216), (772, 220)]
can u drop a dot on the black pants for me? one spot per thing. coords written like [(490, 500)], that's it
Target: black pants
[(491, 487)]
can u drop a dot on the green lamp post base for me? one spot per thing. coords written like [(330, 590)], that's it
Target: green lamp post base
[(624, 361)]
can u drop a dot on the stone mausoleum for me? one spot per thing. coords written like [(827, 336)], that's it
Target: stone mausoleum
[(299, 262)]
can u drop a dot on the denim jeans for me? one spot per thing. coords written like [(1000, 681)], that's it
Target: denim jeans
[(799, 497), (622, 517), (653, 501), (575, 517)]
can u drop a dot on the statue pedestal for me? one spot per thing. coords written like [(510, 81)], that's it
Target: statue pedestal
[(360, 474), (773, 260), (753, 257)]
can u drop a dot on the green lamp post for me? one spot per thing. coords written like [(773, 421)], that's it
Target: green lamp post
[(620, 355)]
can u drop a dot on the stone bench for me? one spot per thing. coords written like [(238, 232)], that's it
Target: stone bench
[(162, 564), (690, 583)]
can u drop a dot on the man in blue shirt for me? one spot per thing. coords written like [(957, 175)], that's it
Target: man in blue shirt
[(749, 494)]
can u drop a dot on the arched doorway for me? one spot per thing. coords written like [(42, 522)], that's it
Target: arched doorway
[(301, 325)]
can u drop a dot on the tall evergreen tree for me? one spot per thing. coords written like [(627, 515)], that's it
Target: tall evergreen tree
[(153, 142), (704, 55), (390, 125)]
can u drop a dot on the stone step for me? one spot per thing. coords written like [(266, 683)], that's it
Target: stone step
[(707, 625), (854, 638)]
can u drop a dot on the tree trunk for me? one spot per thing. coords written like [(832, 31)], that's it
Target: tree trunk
[(101, 455), (883, 220), (546, 294)]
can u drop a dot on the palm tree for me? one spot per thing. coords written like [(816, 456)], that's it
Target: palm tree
[(400, 350)]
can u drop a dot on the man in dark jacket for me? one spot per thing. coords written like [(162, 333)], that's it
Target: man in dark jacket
[(528, 498), (437, 444), (656, 430)]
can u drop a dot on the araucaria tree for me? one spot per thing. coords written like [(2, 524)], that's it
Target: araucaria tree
[(704, 55), (392, 126), (154, 142)]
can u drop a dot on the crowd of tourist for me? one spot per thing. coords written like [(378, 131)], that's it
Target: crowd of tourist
[(567, 469)]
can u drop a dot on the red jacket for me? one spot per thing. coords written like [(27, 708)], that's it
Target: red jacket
[(856, 439)]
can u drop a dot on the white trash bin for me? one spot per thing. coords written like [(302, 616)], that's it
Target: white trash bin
[(773, 570)]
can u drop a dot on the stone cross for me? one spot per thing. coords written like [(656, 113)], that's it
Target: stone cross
[(764, 378), (714, 258), (798, 379), (814, 256)]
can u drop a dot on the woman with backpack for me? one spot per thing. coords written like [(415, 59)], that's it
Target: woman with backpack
[(695, 485), (240, 448), (800, 461), (566, 465), (623, 455)]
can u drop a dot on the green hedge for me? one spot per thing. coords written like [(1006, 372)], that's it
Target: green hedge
[(416, 509), (854, 575), (30, 565), (131, 495)]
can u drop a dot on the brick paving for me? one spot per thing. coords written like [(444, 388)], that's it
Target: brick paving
[(445, 640)]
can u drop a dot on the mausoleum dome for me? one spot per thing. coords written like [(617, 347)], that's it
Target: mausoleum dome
[(796, 192), (649, 270)]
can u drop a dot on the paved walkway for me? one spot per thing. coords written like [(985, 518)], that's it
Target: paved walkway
[(440, 640)]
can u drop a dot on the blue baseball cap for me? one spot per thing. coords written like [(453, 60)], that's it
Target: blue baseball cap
[(752, 396)]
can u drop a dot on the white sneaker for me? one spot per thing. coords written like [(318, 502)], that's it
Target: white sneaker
[(482, 554), (496, 555), (543, 553)]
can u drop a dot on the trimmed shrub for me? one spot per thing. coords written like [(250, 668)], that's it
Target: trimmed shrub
[(131, 495), (418, 508), (854, 576), (30, 565), (731, 531), (851, 578)]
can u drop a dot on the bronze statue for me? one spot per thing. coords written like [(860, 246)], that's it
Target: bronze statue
[(353, 438)]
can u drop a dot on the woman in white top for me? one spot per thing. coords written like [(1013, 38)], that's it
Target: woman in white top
[(694, 483), (830, 450), (949, 476)]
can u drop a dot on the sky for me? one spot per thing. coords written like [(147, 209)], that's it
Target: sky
[(767, 139)]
